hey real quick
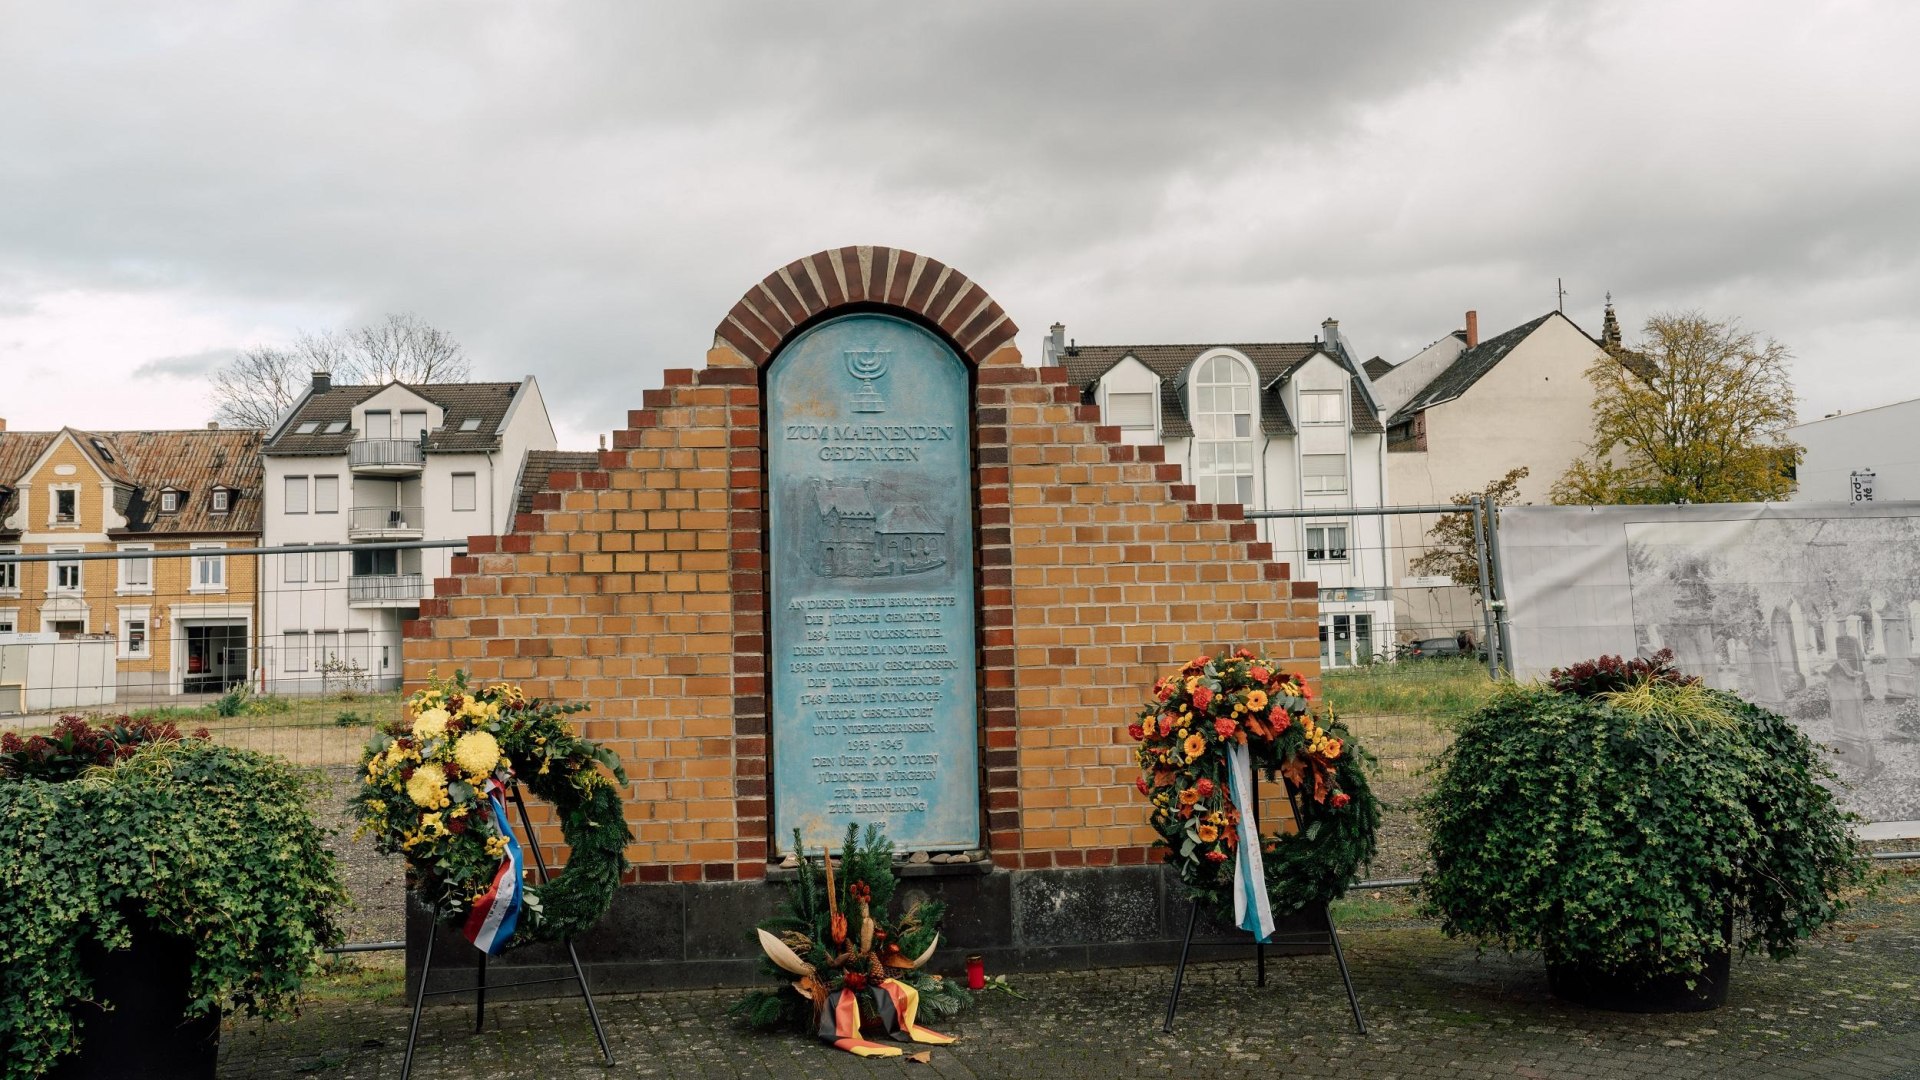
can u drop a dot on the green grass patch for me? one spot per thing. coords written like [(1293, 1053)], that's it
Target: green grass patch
[(1439, 690), (358, 977)]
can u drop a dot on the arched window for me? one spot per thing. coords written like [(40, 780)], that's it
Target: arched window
[(1220, 403)]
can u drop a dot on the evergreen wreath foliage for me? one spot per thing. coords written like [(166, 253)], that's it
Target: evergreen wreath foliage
[(422, 797), (205, 842), (801, 921), (1184, 734)]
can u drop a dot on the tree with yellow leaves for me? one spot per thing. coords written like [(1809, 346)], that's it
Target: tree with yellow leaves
[(1698, 414)]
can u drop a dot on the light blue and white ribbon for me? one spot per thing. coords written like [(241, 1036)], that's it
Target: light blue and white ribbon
[(1251, 910)]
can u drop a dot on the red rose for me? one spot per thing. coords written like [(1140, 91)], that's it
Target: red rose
[(1166, 726), (1259, 674), (1281, 721), (1136, 731), (1216, 855), (406, 774), (1243, 654), (1340, 799), (1141, 783), (1204, 787), (1223, 727), (456, 826), (856, 980), (1201, 697), (452, 770)]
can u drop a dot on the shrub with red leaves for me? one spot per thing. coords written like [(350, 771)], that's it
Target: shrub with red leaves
[(76, 745), (1610, 674)]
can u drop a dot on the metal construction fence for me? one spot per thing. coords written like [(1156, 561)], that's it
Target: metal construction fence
[(294, 650)]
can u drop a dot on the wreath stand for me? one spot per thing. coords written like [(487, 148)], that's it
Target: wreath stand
[(480, 988), (1260, 948)]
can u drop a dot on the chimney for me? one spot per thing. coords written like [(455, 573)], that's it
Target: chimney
[(3, 423), (322, 381), (1473, 329), (1330, 330), (213, 425), (1055, 346)]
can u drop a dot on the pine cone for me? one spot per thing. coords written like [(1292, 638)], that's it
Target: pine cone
[(800, 943), (875, 968)]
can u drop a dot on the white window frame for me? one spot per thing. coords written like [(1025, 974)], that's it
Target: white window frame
[(222, 501), (326, 566), (404, 429), (1324, 527), (53, 505), (473, 491), (330, 484), (9, 620), (293, 567), (124, 645), (1323, 484), (169, 502), (1231, 430), (54, 588), (1151, 401), (129, 587), (287, 491), (1312, 407), (386, 423), (293, 650), (326, 643), (10, 572), (218, 562)]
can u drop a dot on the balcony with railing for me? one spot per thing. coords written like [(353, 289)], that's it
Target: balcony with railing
[(386, 590), (385, 457), (386, 523)]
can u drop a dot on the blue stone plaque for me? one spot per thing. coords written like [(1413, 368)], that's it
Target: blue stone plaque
[(872, 673)]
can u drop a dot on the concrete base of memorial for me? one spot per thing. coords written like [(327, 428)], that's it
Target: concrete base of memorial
[(699, 934)]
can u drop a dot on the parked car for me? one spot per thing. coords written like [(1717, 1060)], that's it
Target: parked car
[(1440, 648)]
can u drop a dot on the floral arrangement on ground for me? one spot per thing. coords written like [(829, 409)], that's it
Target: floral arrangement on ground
[(846, 967), (123, 831), (432, 791), (1186, 735)]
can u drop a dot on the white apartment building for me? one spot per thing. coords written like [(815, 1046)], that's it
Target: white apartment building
[(361, 465), (1272, 426)]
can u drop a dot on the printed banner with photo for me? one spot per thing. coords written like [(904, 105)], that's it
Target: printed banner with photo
[(1810, 610)]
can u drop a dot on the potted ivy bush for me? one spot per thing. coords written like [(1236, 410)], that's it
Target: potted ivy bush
[(149, 883), (1636, 828)]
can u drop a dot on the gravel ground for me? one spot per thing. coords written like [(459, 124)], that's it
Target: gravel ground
[(376, 882)]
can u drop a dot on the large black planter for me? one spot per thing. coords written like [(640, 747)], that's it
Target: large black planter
[(1642, 994), (143, 1036)]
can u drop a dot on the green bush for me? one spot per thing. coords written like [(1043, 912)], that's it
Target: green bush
[(1616, 832), (211, 843)]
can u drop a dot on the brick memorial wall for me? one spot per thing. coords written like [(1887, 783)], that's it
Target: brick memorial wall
[(642, 588)]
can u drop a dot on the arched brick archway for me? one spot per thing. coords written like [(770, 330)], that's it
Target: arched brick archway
[(864, 276)]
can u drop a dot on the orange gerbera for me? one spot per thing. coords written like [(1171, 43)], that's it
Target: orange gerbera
[(1189, 796), (1256, 700), (1195, 745), (1208, 834)]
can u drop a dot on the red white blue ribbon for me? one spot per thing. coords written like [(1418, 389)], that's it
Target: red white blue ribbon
[(490, 924), (1252, 911)]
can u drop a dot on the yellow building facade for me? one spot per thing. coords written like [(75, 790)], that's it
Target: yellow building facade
[(181, 611)]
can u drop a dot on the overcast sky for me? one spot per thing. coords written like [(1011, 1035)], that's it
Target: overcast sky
[(580, 191)]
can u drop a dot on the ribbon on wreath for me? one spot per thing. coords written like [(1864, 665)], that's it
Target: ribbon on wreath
[(1252, 911), (490, 924)]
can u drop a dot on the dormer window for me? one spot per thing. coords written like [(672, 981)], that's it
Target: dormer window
[(1323, 407), (221, 497), (169, 502), (1131, 412), (1220, 403)]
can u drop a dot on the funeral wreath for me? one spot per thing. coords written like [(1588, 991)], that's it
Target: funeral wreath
[(1203, 733), (436, 789)]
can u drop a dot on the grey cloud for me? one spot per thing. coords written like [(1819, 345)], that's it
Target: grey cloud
[(186, 366)]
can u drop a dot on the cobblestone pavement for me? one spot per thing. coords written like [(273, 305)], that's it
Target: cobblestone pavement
[(1846, 1008)]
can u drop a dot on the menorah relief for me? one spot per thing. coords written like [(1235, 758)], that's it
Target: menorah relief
[(867, 365)]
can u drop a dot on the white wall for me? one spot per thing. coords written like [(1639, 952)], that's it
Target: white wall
[(71, 674), (1879, 439), (1397, 387)]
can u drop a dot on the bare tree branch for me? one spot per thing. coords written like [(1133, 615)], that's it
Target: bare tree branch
[(257, 387)]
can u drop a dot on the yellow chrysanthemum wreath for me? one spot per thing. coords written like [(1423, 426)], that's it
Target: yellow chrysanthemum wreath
[(423, 796)]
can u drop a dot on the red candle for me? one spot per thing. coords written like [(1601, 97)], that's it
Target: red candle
[(976, 973)]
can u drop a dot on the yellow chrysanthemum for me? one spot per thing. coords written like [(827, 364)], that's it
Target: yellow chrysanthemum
[(430, 723), (496, 846), (477, 753), (428, 789)]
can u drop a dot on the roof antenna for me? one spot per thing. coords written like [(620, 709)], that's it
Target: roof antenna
[(1560, 290)]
